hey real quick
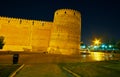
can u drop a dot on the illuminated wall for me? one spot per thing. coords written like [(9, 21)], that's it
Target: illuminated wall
[(65, 35), (22, 34), (60, 36)]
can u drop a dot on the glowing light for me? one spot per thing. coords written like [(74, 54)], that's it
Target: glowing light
[(96, 42), (95, 46), (110, 46), (83, 46), (103, 46)]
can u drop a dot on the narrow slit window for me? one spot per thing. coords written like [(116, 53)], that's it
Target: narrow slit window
[(33, 23), (20, 21), (65, 12)]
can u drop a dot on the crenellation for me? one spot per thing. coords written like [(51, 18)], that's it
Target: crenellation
[(61, 34), (68, 11), (23, 22)]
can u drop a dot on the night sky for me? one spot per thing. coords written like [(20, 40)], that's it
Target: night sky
[(100, 18)]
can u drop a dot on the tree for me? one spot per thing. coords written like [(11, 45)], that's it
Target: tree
[(118, 44), (1, 42)]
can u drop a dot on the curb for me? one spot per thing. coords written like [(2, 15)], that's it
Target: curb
[(14, 73), (76, 75)]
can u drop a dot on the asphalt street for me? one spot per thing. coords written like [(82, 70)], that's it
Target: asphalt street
[(43, 70)]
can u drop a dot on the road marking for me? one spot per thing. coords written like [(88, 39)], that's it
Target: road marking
[(76, 75), (14, 73)]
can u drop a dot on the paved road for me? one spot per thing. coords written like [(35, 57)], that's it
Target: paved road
[(42, 70)]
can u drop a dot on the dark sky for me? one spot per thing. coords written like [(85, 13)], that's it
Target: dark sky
[(100, 18)]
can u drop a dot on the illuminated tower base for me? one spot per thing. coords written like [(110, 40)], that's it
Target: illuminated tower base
[(65, 35)]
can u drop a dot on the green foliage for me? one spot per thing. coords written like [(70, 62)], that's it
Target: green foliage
[(118, 44), (1, 42)]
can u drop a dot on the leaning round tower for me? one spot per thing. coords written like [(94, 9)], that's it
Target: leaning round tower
[(66, 32)]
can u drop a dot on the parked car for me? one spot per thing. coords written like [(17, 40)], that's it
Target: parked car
[(85, 51)]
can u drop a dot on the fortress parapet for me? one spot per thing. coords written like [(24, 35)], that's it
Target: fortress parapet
[(67, 16), (23, 22)]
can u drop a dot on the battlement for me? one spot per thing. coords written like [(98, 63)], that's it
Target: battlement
[(67, 16), (22, 22), (69, 12)]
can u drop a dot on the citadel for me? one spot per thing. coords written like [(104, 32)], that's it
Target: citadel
[(60, 36)]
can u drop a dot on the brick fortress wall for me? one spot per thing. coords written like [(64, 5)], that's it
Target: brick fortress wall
[(22, 34), (62, 36), (66, 33)]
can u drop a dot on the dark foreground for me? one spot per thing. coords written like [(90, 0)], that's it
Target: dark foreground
[(82, 69), (95, 69), (7, 69), (49, 65)]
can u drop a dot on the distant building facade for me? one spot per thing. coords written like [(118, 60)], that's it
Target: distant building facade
[(62, 36)]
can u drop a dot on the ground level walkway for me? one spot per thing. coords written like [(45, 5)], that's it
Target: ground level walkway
[(42, 70)]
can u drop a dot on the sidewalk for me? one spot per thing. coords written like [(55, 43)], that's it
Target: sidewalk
[(42, 70)]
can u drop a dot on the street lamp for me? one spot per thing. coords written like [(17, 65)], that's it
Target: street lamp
[(96, 42)]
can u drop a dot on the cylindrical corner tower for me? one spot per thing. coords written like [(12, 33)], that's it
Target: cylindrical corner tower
[(66, 32)]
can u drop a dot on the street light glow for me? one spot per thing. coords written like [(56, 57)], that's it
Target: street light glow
[(96, 42)]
